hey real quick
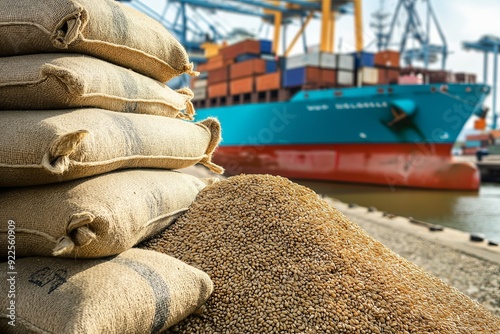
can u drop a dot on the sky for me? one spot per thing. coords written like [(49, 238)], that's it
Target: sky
[(460, 20)]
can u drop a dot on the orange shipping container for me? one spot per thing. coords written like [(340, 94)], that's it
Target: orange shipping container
[(247, 68), (241, 86), (270, 81), (218, 75), (201, 67), (211, 65), (480, 124), (388, 76), (328, 77), (387, 58), (249, 46), (217, 90), (216, 62)]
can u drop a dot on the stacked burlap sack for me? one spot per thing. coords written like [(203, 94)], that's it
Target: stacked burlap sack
[(89, 137)]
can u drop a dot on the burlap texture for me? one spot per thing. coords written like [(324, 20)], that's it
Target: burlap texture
[(95, 217), (135, 292), (61, 81), (105, 29), (59, 145)]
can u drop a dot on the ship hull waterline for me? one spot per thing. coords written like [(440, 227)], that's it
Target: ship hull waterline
[(392, 165)]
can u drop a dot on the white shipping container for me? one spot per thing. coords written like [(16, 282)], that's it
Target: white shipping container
[(200, 93), (303, 60), (200, 83), (368, 75), (328, 60), (345, 62), (345, 78)]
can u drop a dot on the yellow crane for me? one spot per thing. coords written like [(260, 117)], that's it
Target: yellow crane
[(327, 9)]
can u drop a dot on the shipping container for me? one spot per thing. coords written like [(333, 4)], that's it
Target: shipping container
[(297, 77), (199, 83), (480, 124), (311, 59), (473, 143), (328, 77), (465, 77), (411, 79), (387, 58), (270, 81), (266, 46), (345, 78), (314, 59), (200, 93), (241, 86), (364, 59), (218, 75), (216, 90), (469, 150), (328, 60), (215, 63), (201, 67), (480, 137), (441, 77), (247, 68), (271, 66), (248, 46), (345, 62), (388, 75), (367, 76)]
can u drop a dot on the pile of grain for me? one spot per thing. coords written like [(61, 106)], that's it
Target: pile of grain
[(283, 261)]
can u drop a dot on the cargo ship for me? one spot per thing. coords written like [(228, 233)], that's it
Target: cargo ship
[(301, 121), (348, 117)]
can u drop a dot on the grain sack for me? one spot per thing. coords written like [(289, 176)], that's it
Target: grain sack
[(135, 292), (105, 29), (283, 261), (61, 81), (95, 217), (59, 145)]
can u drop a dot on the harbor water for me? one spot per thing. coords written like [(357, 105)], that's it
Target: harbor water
[(475, 212)]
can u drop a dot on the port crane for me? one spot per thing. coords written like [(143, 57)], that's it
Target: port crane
[(489, 44), (197, 31), (414, 30), (194, 29)]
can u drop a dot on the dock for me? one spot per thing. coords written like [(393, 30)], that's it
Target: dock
[(471, 267), (490, 170), (489, 166)]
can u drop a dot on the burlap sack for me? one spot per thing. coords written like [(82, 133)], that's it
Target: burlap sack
[(105, 29), (52, 146), (94, 217), (135, 292), (61, 81)]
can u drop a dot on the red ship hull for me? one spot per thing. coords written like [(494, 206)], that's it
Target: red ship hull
[(408, 165)]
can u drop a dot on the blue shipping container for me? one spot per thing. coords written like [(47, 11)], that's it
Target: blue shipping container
[(294, 77), (364, 59), (265, 46), (473, 143), (271, 66)]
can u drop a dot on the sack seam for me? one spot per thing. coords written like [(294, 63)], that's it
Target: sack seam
[(104, 162)]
